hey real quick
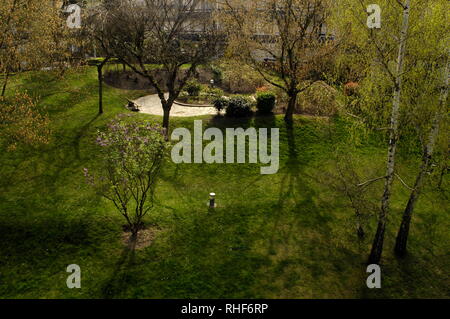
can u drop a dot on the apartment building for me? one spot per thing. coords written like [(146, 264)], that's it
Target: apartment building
[(199, 20)]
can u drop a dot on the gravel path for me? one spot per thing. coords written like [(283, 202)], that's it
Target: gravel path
[(151, 104)]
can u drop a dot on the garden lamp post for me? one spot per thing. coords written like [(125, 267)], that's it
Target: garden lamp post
[(212, 200)]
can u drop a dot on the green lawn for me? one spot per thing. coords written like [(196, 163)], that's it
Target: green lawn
[(272, 236)]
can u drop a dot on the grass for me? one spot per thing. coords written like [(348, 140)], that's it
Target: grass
[(272, 236)]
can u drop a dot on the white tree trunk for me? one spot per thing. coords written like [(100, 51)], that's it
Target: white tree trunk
[(403, 232), (377, 246)]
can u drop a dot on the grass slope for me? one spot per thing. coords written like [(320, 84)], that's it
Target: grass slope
[(279, 236)]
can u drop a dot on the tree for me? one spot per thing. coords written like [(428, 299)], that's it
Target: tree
[(347, 182), (285, 41), (170, 34), (427, 113), (31, 36), (21, 123), (427, 155), (397, 77), (385, 54), (403, 58), (132, 153)]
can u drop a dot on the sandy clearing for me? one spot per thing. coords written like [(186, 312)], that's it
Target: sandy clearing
[(151, 104)]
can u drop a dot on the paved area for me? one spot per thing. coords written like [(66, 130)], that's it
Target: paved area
[(151, 104)]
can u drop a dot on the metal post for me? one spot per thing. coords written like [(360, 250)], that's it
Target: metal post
[(212, 200)]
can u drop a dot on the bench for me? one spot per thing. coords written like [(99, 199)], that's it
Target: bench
[(132, 106)]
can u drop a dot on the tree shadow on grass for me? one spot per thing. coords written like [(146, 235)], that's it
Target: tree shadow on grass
[(208, 255), (45, 217), (223, 121), (81, 133), (57, 95), (300, 240), (35, 252), (280, 225), (296, 192), (21, 238), (41, 168), (122, 274)]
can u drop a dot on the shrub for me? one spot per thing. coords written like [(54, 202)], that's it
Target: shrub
[(132, 154), (265, 102), (193, 88), (213, 92), (241, 79), (217, 74), (239, 106), (183, 95), (320, 99), (282, 97), (220, 103), (21, 123)]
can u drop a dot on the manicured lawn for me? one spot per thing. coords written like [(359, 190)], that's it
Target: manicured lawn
[(273, 236)]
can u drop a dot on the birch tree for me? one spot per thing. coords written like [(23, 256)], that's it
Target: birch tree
[(428, 152), (427, 113), (377, 246), (402, 60), (384, 50)]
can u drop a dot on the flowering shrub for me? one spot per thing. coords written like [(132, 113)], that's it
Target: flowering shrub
[(132, 153), (262, 89)]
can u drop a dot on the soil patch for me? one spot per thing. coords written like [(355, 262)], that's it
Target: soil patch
[(145, 237)]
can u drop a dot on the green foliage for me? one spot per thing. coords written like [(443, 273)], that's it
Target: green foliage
[(265, 102), (220, 103), (239, 106), (372, 62), (240, 78), (320, 99), (217, 74), (193, 87), (213, 93)]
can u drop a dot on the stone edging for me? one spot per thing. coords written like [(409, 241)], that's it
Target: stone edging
[(193, 105)]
